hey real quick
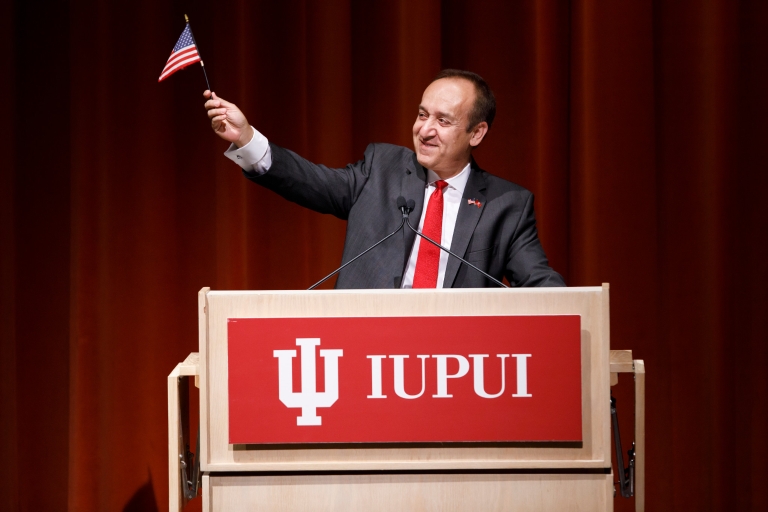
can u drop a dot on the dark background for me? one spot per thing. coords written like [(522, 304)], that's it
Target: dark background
[(639, 125)]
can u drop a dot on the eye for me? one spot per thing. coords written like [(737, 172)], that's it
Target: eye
[(422, 115)]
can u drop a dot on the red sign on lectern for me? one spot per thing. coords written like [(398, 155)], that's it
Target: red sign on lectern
[(404, 379)]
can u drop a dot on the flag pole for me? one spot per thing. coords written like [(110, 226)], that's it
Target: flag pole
[(186, 18)]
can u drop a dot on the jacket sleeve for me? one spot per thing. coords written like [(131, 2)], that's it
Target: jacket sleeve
[(317, 187)]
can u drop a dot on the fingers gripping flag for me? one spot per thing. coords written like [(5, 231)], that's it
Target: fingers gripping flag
[(183, 54)]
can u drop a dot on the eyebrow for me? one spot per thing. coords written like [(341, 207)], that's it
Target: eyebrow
[(438, 114)]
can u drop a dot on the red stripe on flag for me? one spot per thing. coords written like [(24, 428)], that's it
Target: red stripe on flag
[(185, 57), (177, 67), (181, 53), (179, 60)]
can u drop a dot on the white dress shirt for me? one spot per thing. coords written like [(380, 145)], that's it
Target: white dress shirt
[(452, 195), (256, 156)]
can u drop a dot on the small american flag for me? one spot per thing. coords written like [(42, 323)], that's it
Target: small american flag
[(183, 54), (475, 202)]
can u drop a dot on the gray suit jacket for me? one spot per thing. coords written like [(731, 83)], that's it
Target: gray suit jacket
[(498, 237)]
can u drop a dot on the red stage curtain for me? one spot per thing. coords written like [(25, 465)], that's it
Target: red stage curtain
[(640, 126)]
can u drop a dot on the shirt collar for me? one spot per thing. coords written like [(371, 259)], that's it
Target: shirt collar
[(458, 182)]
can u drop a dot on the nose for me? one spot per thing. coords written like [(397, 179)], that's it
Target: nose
[(427, 128)]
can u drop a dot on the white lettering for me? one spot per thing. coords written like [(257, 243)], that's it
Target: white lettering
[(308, 399), (376, 377), (522, 375), (477, 366), (400, 377), (443, 376)]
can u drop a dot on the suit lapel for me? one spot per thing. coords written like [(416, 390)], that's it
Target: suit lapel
[(469, 215), (414, 181)]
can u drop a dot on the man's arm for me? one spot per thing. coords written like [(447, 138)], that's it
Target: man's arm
[(227, 121), (313, 186)]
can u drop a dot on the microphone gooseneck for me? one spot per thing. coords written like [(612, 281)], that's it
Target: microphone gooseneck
[(406, 207), (401, 204), (410, 204)]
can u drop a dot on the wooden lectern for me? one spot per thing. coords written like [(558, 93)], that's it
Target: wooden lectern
[(470, 476)]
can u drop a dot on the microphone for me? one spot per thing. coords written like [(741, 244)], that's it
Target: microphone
[(403, 207), (408, 208), (401, 204)]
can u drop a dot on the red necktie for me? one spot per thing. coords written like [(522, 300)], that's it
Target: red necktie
[(428, 260)]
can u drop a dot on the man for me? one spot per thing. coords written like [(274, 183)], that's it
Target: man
[(486, 220)]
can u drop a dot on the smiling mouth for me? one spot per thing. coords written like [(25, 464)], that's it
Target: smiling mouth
[(426, 144)]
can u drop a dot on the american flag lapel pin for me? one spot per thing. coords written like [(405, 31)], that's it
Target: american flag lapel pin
[(475, 202)]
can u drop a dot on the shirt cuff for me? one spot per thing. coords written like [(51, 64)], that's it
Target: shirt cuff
[(255, 157)]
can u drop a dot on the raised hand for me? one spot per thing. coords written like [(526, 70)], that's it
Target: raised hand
[(227, 120)]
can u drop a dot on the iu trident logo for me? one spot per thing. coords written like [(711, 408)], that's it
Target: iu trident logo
[(308, 399)]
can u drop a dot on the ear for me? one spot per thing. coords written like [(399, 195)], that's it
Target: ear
[(478, 132)]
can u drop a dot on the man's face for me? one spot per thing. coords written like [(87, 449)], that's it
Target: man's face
[(440, 137)]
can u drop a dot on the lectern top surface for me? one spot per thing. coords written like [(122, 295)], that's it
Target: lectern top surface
[(564, 290)]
